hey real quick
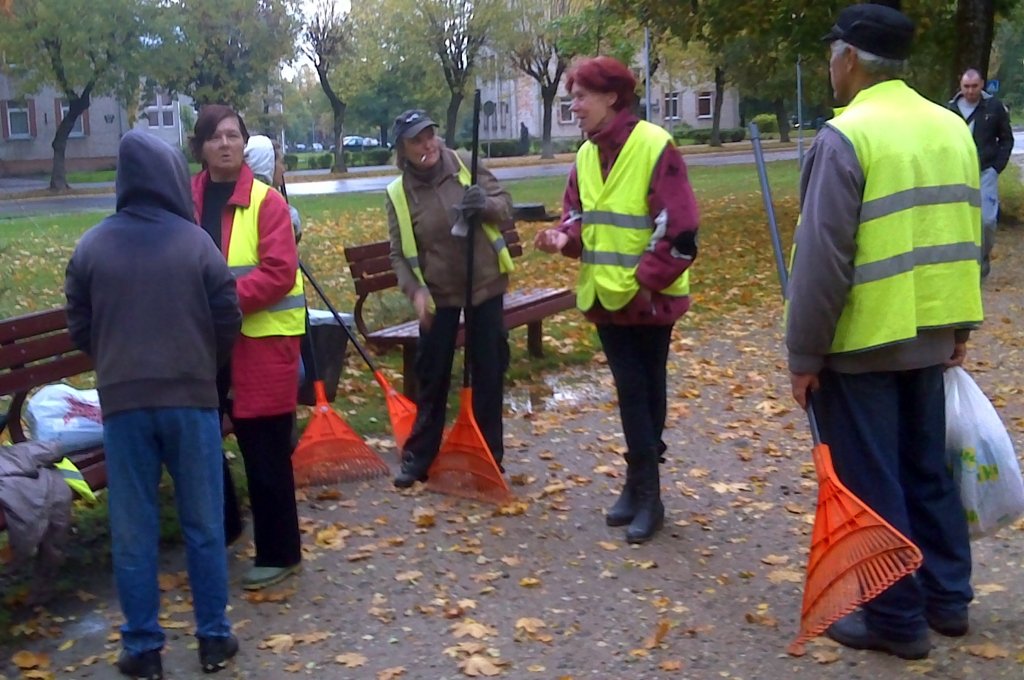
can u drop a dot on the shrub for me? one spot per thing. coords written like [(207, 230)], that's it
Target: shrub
[(378, 156), (766, 122), (734, 134), (501, 148), (326, 160), (291, 161)]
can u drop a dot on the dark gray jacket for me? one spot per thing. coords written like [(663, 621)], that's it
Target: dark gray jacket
[(992, 132), (149, 296)]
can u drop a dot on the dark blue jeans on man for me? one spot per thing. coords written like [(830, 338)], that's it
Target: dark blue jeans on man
[(138, 444), (887, 434)]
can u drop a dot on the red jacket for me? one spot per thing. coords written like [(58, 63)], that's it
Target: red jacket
[(670, 191), (264, 371)]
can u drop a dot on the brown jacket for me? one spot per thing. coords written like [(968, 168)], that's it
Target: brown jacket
[(443, 256)]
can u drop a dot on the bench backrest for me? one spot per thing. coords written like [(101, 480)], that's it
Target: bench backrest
[(35, 350), (370, 264)]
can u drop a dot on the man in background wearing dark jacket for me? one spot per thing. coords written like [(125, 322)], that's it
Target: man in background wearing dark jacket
[(990, 125), (151, 300)]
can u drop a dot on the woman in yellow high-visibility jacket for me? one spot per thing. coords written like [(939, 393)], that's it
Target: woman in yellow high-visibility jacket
[(630, 216)]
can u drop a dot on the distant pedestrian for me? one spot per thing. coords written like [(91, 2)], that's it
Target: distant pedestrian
[(630, 216), (151, 300), (885, 286), (989, 123)]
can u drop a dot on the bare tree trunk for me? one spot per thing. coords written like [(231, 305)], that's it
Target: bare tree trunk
[(338, 108), (975, 28), (451, 119), (547, 149), (780, 118), (58, 173), (716, 119)]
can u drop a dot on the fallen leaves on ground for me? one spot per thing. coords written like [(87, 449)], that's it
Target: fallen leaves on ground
[(350, 660), (986, 650), (473, 629)]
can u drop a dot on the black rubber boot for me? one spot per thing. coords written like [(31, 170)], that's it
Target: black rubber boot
[(412, 471), (650, 512), (624, 509)]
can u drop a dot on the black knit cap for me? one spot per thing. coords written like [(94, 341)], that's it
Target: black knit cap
[(874, 28)]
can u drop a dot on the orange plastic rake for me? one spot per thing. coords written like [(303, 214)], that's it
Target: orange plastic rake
[(401, 411), (855, 554), (464, 465), (330, 451)]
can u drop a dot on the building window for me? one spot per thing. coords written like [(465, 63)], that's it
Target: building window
[(160, 111), (18, 119), (671, 106), (704, 104), (565, 114), (79, 128)]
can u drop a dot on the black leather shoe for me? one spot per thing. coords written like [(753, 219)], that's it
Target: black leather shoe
[(947, 623), (215, 652), (410, 473), (851, 631), (147, 665)]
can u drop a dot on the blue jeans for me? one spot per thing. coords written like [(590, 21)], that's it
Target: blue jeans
[(138, 444), (887, 434)]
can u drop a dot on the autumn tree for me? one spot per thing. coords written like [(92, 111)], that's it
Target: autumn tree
[(222, 51), (455, 31), (328, 44), (102, 51)]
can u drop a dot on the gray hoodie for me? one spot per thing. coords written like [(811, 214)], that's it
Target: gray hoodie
[(149, 296)]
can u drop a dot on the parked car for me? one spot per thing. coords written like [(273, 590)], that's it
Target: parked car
[(369, 142), (317, 146), (299, 147), (352, 143)]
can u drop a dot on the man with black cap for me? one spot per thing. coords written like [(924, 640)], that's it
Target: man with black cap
[(429, 208), (885, 285)]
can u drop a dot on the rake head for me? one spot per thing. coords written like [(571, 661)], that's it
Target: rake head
[(855, 555), (401, 411), (330, 451), (464, 465)]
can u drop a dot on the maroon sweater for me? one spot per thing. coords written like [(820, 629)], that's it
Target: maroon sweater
[(675, 249)]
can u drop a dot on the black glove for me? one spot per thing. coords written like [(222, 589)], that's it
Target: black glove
[(473, 202)]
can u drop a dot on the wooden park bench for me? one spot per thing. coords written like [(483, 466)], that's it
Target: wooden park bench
[(370, 266), (36, 350)]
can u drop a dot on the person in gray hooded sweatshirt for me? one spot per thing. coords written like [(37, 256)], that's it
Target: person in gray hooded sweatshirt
[(151, 300)]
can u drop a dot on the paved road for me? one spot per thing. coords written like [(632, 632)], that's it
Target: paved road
[(105, 202)]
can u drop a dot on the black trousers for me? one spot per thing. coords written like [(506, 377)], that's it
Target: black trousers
[(435, 352), (637, 357), (266, 446)]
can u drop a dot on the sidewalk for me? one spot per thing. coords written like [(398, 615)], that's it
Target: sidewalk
[(411, 585)]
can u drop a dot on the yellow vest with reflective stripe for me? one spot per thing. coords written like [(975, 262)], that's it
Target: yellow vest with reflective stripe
[(919, 237), (74, 478), (409, 250), (288, 315), (617, 225)]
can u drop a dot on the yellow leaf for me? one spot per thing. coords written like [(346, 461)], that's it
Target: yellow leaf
[(26, 660), (671, 665), (295, 667), (408, 576), (608, 545), (987, 650), (785, 576), (529, 582), (66, 645), (478, 665), (391, 673), (473, 629), (278, 643), (530, 625), (775, 560), (350, 660), (424, 517), (824, 656)]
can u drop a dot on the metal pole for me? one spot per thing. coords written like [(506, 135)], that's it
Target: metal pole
[(647, 75), (799, 115)]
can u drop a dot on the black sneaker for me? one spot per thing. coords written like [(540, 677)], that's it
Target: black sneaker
[(147, 665), (215, 652)]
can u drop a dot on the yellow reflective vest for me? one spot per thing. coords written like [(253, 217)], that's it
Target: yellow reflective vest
[(288, 315), (617, 225), (74, 478), (396, 192), (919, 237)]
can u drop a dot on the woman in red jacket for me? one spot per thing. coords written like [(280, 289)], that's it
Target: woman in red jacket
[(251, 225), (630, 216)]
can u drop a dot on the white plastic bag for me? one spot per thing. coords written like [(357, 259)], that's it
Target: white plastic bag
[(65, 415), (981, 455)]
